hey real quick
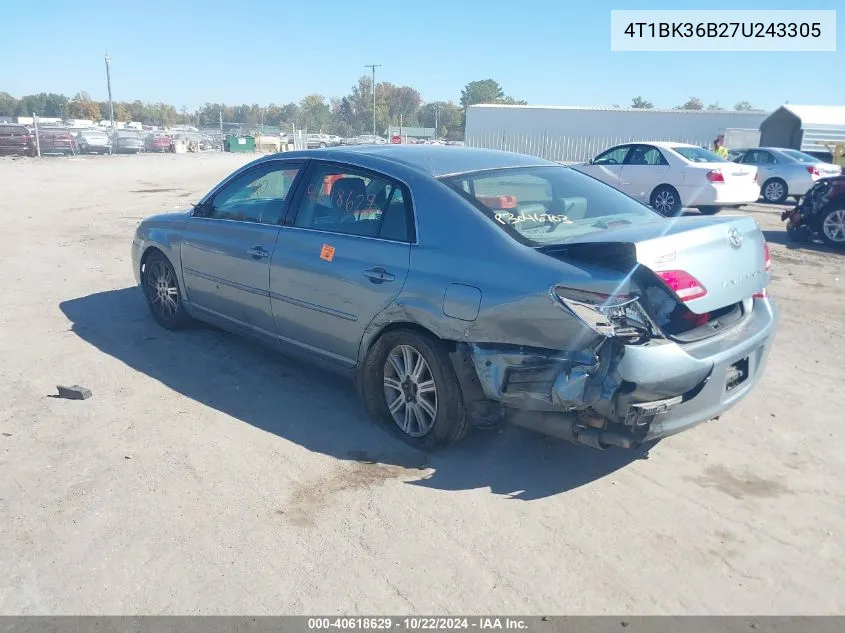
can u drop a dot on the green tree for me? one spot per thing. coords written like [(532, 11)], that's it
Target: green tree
[(445, 114), (121, 112), (715, 106), (641, 104), (693, 103), (8, 104), (743, 106), (314, 113), (83, 107), (482, 91)]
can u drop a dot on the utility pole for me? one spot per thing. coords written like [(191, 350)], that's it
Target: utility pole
[(436, 117), (374, 66), (111, 105)]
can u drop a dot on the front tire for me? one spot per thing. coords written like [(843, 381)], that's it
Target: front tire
[(666, 201), (775, 191), (709, 210), (161, 289), (832, 227), (409, 385)]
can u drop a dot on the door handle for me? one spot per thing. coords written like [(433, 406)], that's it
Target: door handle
[(378, 275), (257, 252)]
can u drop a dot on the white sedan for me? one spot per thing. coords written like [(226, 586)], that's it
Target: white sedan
[(671, 176)]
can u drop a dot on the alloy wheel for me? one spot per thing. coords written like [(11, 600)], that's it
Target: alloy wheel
[(774, 192), (162, 290), (410, 391), (834, 226), (664, 202)]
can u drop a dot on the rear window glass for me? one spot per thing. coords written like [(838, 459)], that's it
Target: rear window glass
[(801, 157), (698, 155), (12, 130), (549, 205)]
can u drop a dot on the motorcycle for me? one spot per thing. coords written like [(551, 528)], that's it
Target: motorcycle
[(821, 211)]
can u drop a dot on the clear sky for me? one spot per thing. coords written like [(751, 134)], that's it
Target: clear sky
[(545, 51)]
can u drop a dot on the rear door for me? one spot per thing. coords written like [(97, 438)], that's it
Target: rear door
[(228, 244), (644, 169), (342, 257), (607, 166), (764, 161)]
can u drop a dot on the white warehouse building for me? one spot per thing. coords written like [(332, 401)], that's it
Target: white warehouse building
[(571, 133)]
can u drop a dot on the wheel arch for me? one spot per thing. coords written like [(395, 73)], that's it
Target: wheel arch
[(154, 247)]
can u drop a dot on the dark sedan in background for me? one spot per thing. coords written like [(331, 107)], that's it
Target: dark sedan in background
[(16, 140), (463, 287), (128, 142)]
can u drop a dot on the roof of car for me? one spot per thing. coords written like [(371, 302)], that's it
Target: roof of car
[(433, 160)]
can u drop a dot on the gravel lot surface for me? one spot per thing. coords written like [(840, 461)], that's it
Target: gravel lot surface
[(207, 475)]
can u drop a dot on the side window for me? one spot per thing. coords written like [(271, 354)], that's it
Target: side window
[(645, 155), (613, 156), (752, 157), (257, 195), (343, 201), (766, 158)]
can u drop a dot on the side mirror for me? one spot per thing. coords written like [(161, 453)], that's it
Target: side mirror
[(590, 162)]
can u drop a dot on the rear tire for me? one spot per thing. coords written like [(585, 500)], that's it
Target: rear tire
[(413, 371), (666, 201), (775, 191), (832, 227), (161, 289), (709, 210)]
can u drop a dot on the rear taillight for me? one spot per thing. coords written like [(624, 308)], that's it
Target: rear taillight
[(617, 316), (715, 175), (682, 284), (813, 170)]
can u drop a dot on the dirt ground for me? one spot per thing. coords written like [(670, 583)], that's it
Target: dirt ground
[(207, 475)]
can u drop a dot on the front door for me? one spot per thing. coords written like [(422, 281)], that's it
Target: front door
[(343, 259), (607, 166), (228, 244)]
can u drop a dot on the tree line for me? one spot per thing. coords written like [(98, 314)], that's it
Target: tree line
[(346, 116), (694, 103)]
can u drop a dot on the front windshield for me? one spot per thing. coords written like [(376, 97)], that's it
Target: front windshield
[(698, 154), (800, 157), (549, 205)]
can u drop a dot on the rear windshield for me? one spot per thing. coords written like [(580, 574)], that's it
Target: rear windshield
[(698, 155), (801, 157), (13, 130), (549, 205)]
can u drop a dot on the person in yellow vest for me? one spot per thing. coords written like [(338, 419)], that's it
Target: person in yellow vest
[(719, 149)]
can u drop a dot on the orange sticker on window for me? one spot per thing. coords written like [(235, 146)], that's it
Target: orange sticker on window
[(327, 252)]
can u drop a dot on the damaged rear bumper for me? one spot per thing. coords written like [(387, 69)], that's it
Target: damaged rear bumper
[(616, 394)]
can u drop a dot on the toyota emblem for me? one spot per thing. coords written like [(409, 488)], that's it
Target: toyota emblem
[(734, 238)]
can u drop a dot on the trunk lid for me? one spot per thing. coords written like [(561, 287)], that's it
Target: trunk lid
[(725, 254), (732, 173)]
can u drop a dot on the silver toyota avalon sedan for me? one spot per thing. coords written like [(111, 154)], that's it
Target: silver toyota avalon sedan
[(465, 288)]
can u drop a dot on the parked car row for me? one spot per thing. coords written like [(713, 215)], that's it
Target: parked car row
[(51, 139), (670, 176), (784, 173)]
